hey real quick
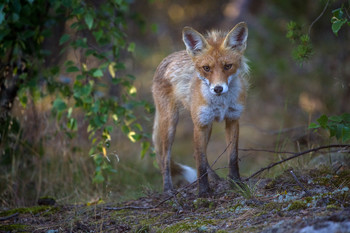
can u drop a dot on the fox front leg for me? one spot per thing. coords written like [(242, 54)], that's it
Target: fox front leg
[(201, 139), (232, 134)]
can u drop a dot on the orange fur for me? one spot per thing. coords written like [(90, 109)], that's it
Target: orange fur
[(208, 79)]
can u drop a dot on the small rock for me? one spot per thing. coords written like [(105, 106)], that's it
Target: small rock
[(51, 231), (326, 227)]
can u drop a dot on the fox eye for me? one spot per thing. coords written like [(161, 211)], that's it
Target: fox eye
[(206, 68), (227, 66)]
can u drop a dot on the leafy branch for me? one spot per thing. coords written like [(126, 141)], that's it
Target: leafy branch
[(338, 126), (81, 85)]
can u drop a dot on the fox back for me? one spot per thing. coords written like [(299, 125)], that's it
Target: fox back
[(208, 79)]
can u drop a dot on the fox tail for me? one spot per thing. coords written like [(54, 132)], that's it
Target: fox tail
[(188, 173)]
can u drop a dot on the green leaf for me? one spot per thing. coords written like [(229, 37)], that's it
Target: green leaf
[(346, 134), (69, 114), (98, 34), (109, 128), (98, 178), (97, 73), (336, 26), (81, 42), (89, 20), (145, 146), (337, 119), (98, 121), (154, 27), (23, 100), (131, 47), (68, 63), (339, 131), (72, 124), (59, 105), (323, 121), (15, 17), (64, 39), (314, 126), (138, 126), (338, 13), (72, 69), (346, 117), (96, 106), (125, 129)]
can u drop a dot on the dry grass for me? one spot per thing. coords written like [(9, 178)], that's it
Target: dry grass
[(47, 163)]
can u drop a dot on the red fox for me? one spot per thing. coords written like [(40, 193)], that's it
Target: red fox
[(209, 80)]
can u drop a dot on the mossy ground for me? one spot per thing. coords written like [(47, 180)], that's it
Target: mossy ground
[(276, 203)]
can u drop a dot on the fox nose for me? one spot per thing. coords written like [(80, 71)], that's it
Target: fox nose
[(218, 89)]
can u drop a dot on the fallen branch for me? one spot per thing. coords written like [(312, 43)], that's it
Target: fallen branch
[(265, 150), (295, 156), (9, 217)]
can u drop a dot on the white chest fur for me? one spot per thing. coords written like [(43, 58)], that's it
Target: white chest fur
[(220, 107)]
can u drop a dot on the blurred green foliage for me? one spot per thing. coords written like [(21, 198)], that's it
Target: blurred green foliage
[(303, 50), (340, 17), (97, 32), (338, 126)]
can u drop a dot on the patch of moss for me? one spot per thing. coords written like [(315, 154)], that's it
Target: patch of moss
[(31, 210), (13, 227), (325, 181), (272, 206), (143, 229), (332, 207), (151, 222), (297, 205), (343, 177), (308, 199), (261, 213), (235, 207), (271, 185), (190, 225), (203, 203)]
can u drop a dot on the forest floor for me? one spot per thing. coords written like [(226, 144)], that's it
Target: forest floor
[(316, 200)]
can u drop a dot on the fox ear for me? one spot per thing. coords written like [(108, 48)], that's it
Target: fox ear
[(237, 38), (194, 41)]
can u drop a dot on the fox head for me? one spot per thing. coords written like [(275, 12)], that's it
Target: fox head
[(218, 57)]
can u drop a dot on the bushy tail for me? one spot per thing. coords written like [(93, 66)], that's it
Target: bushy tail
[(189, 173)]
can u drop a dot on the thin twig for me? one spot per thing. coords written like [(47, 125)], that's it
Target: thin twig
[(324, 10), (8, 217), (264, 150), (275, 132), (295, 156), (299, 183), (221, 154)]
